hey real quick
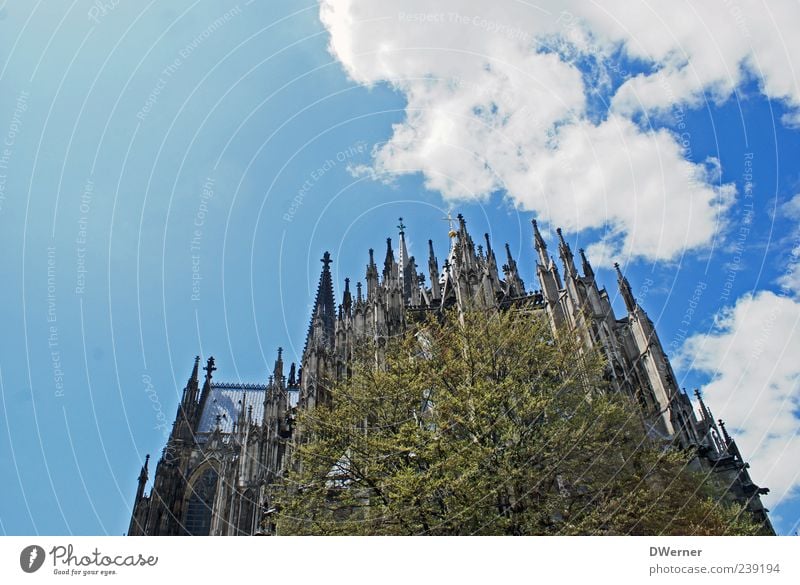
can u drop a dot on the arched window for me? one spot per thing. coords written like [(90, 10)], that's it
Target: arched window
[(201, 503)]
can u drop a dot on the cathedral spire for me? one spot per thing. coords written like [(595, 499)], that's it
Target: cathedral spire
[(467, 245), (359, 299), (192, 386), (725, 434), (389, 269), (407, 272), (550, 281), (491, 261), (539, 244), (566, 256), (489, 252), (447, 278), (143, 475), (324, 312), (135, 527), (705, 414), (372, 276), (625, 290), (588, 272), (190, 407), (733, 449), (347, 298), (554, 271), (403, 250), (277, 371), (292, 376), (512, 264), (433, 272), (209, 370), (514, 285), (412, 282), (193, 377)]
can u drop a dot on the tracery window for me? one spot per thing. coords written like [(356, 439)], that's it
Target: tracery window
[(201, 503)]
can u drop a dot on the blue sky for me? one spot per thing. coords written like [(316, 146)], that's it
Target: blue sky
[(171, 176)]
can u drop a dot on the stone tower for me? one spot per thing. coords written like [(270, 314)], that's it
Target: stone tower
[(226, 445)]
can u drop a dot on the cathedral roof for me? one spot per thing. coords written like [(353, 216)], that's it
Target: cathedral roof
[(226, 400)]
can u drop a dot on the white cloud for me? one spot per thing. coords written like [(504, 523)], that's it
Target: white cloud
[(752, 356), (495, 102), (791, 208), (790, 278), (698, 47)]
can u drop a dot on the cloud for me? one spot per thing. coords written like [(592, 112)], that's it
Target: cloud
[(791, 208), (504, 97), (789, 280), (755, 386), (697, 48)]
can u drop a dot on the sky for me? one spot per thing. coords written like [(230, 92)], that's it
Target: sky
[(171, 174)]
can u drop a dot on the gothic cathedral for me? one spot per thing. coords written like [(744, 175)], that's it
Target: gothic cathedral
[(230, 443)]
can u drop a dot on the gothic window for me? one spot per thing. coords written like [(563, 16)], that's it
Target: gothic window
[(201, 503)]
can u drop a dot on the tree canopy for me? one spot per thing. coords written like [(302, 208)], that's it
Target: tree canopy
[(484, 423)]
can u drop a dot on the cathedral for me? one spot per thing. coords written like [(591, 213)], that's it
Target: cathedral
[(230, 443)]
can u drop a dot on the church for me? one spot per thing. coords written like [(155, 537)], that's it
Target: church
[(231, 443)]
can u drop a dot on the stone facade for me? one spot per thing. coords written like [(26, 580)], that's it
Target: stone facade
[(230, 442)]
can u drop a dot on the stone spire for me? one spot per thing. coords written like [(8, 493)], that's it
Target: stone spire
[(539, 244), (491, 260), (412, 280), (587, 268), (433, 272), (135, 526), (277, 371), (347, 298), (189, 408), (625, 290), (465, 260), (143, 475), (733, 449), (550, 281), (190, 394), (204, 394), (705, 413), (323, 314), (372, 276), (554, 270), (390, 275), (514, 285), (405, 270), (566, 256), (195, 371), (725, 434)]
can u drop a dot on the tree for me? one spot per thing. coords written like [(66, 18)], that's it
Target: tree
[(483, 423)]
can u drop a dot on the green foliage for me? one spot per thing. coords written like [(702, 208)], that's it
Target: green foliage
[(483, 424)]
